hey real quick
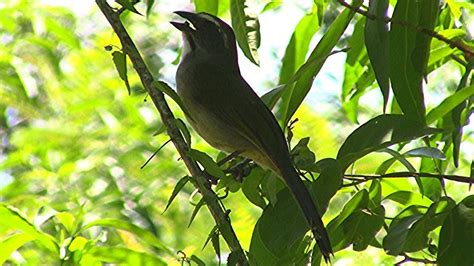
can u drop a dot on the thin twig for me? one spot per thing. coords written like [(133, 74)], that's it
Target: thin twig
[(198, 180), (361, 178)]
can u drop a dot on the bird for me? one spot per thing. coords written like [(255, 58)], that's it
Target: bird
[(226, 112)]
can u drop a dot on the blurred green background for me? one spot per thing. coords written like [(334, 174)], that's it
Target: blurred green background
[(73, 141)]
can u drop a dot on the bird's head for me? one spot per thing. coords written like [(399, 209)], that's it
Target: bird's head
[(205, 34)]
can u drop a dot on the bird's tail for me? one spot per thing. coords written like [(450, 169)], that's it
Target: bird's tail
[(306, 203)]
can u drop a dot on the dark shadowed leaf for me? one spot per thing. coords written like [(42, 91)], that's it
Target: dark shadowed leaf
[(250, 187), (409, 52), (327, 184), (397, 233), (207, 162), (380, 132), (376, 42), (457, 235), (285, 218), (418, 235)]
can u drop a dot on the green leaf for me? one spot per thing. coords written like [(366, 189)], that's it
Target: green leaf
[(375, 194), (377, 44), (365, 226), (401, 158), (449, 104), (216, 244), (269, 248), (405, 198), (250, 187), (208, 6), (247, 29), (149, 6), (12, 243), (207, 162), (457, 115), (166, 89), (409, 52), (327, 184), (275, 4), (67, 220), (355, 69), (380, 132), (418, 235), (271, 98), (293, 96), (303, 157), (197, 260), (183, 181), (427, 152), (382, 169), (298, 46), (184, 130), (358, 202), (196, 210), (397, 233), (457, 235), (128, 5), (342, 230), (120, 62), (213, 231), (11, 219), (144, 234)]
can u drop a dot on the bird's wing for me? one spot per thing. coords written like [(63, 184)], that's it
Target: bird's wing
[(240, 107)]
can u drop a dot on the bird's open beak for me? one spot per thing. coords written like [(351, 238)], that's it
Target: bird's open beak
[(185, 26)]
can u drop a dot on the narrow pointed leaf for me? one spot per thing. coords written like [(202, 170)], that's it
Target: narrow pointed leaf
[(120, 62), (176, 190), (376, 42), (247, 29)]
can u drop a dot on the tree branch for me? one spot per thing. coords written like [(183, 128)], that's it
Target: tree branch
[(199, 181), (360, 178), (459, 44)]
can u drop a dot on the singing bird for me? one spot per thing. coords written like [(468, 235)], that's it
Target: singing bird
[(229, 115)]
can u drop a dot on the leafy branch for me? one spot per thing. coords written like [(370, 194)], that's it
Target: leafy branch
[(468, 51), (199, 181)]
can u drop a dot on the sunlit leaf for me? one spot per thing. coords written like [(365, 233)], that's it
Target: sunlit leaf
[(208, 6), (293, 97), (247, 29)]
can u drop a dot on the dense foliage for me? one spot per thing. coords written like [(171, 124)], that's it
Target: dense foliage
[(389, 162)]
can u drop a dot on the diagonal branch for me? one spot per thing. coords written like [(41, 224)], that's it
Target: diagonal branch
[(199, 181)]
